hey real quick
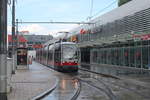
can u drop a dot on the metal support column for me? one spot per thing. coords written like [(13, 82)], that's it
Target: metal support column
[(3, 49), (17, 41), (17, 34), (13, 39)]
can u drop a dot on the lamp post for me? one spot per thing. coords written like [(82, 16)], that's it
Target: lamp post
[(13, 39), (17, 34), (3, 49)]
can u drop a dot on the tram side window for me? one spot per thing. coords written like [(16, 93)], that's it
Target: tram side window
[(57, 56), (44, 55), (40, 54), (50, 56)]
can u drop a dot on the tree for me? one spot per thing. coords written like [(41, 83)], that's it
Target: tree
[(121, 2)]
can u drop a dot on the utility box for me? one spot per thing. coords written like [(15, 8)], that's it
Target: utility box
[(9, 74)]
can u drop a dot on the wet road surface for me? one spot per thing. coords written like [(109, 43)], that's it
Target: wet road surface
[(67, 87), (96, 87), (111, 89)]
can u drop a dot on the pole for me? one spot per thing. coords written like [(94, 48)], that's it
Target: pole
[(3, 49), (13, 37), (17, 34), (17, 41)]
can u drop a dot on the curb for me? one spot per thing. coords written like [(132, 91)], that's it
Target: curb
[(47, 92), (106, 75)]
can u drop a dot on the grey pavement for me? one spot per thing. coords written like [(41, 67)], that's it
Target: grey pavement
[(29, 83)]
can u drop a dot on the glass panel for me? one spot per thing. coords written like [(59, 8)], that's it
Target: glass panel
[(94, 57), (116, 56), (102, 51), (105, 56), (126, 56), (108, 56), (132, 64), (145, 57), (100, 56), (119, 58), (148, 57), (138, 57), (69, 52), (113, 56)]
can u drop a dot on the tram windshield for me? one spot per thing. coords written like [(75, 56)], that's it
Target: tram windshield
[(69, 52)]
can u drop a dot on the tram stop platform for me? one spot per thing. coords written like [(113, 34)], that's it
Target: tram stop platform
[(28, 84)]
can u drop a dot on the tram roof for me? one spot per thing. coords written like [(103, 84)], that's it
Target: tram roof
[(68, 43), (57, 41)]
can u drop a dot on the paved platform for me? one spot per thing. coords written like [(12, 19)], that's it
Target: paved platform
[(27, 84)]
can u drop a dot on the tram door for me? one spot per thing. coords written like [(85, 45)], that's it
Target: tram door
[(22, 56)]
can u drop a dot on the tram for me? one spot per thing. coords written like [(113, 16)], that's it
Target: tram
[(61, 56)]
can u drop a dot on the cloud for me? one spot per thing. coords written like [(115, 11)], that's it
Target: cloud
[(33, 28), (39, 29)]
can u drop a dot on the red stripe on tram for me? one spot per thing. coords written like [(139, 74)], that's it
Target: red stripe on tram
[(66, 64)]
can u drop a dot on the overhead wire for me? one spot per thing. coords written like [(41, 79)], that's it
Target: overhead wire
[(9, 2), (91, 7), (114, 2)]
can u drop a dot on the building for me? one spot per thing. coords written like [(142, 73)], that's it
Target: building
[(32, 42), (37, 41), (119, 39), (22, 42)]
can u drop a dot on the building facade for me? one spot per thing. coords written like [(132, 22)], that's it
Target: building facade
[(118, 38), (20, 43), (37, 41)]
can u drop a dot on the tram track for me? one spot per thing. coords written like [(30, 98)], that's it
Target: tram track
[(105, 84), (70, 88), (104, 88), (100, 78), (110, 95), (75, 96)]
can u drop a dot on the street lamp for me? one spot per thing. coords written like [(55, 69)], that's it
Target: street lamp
[(14, 54)]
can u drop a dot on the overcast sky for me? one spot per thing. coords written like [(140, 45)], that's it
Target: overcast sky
[(56, 10)]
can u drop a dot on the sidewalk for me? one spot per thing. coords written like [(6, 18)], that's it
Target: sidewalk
[(27, 84)]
